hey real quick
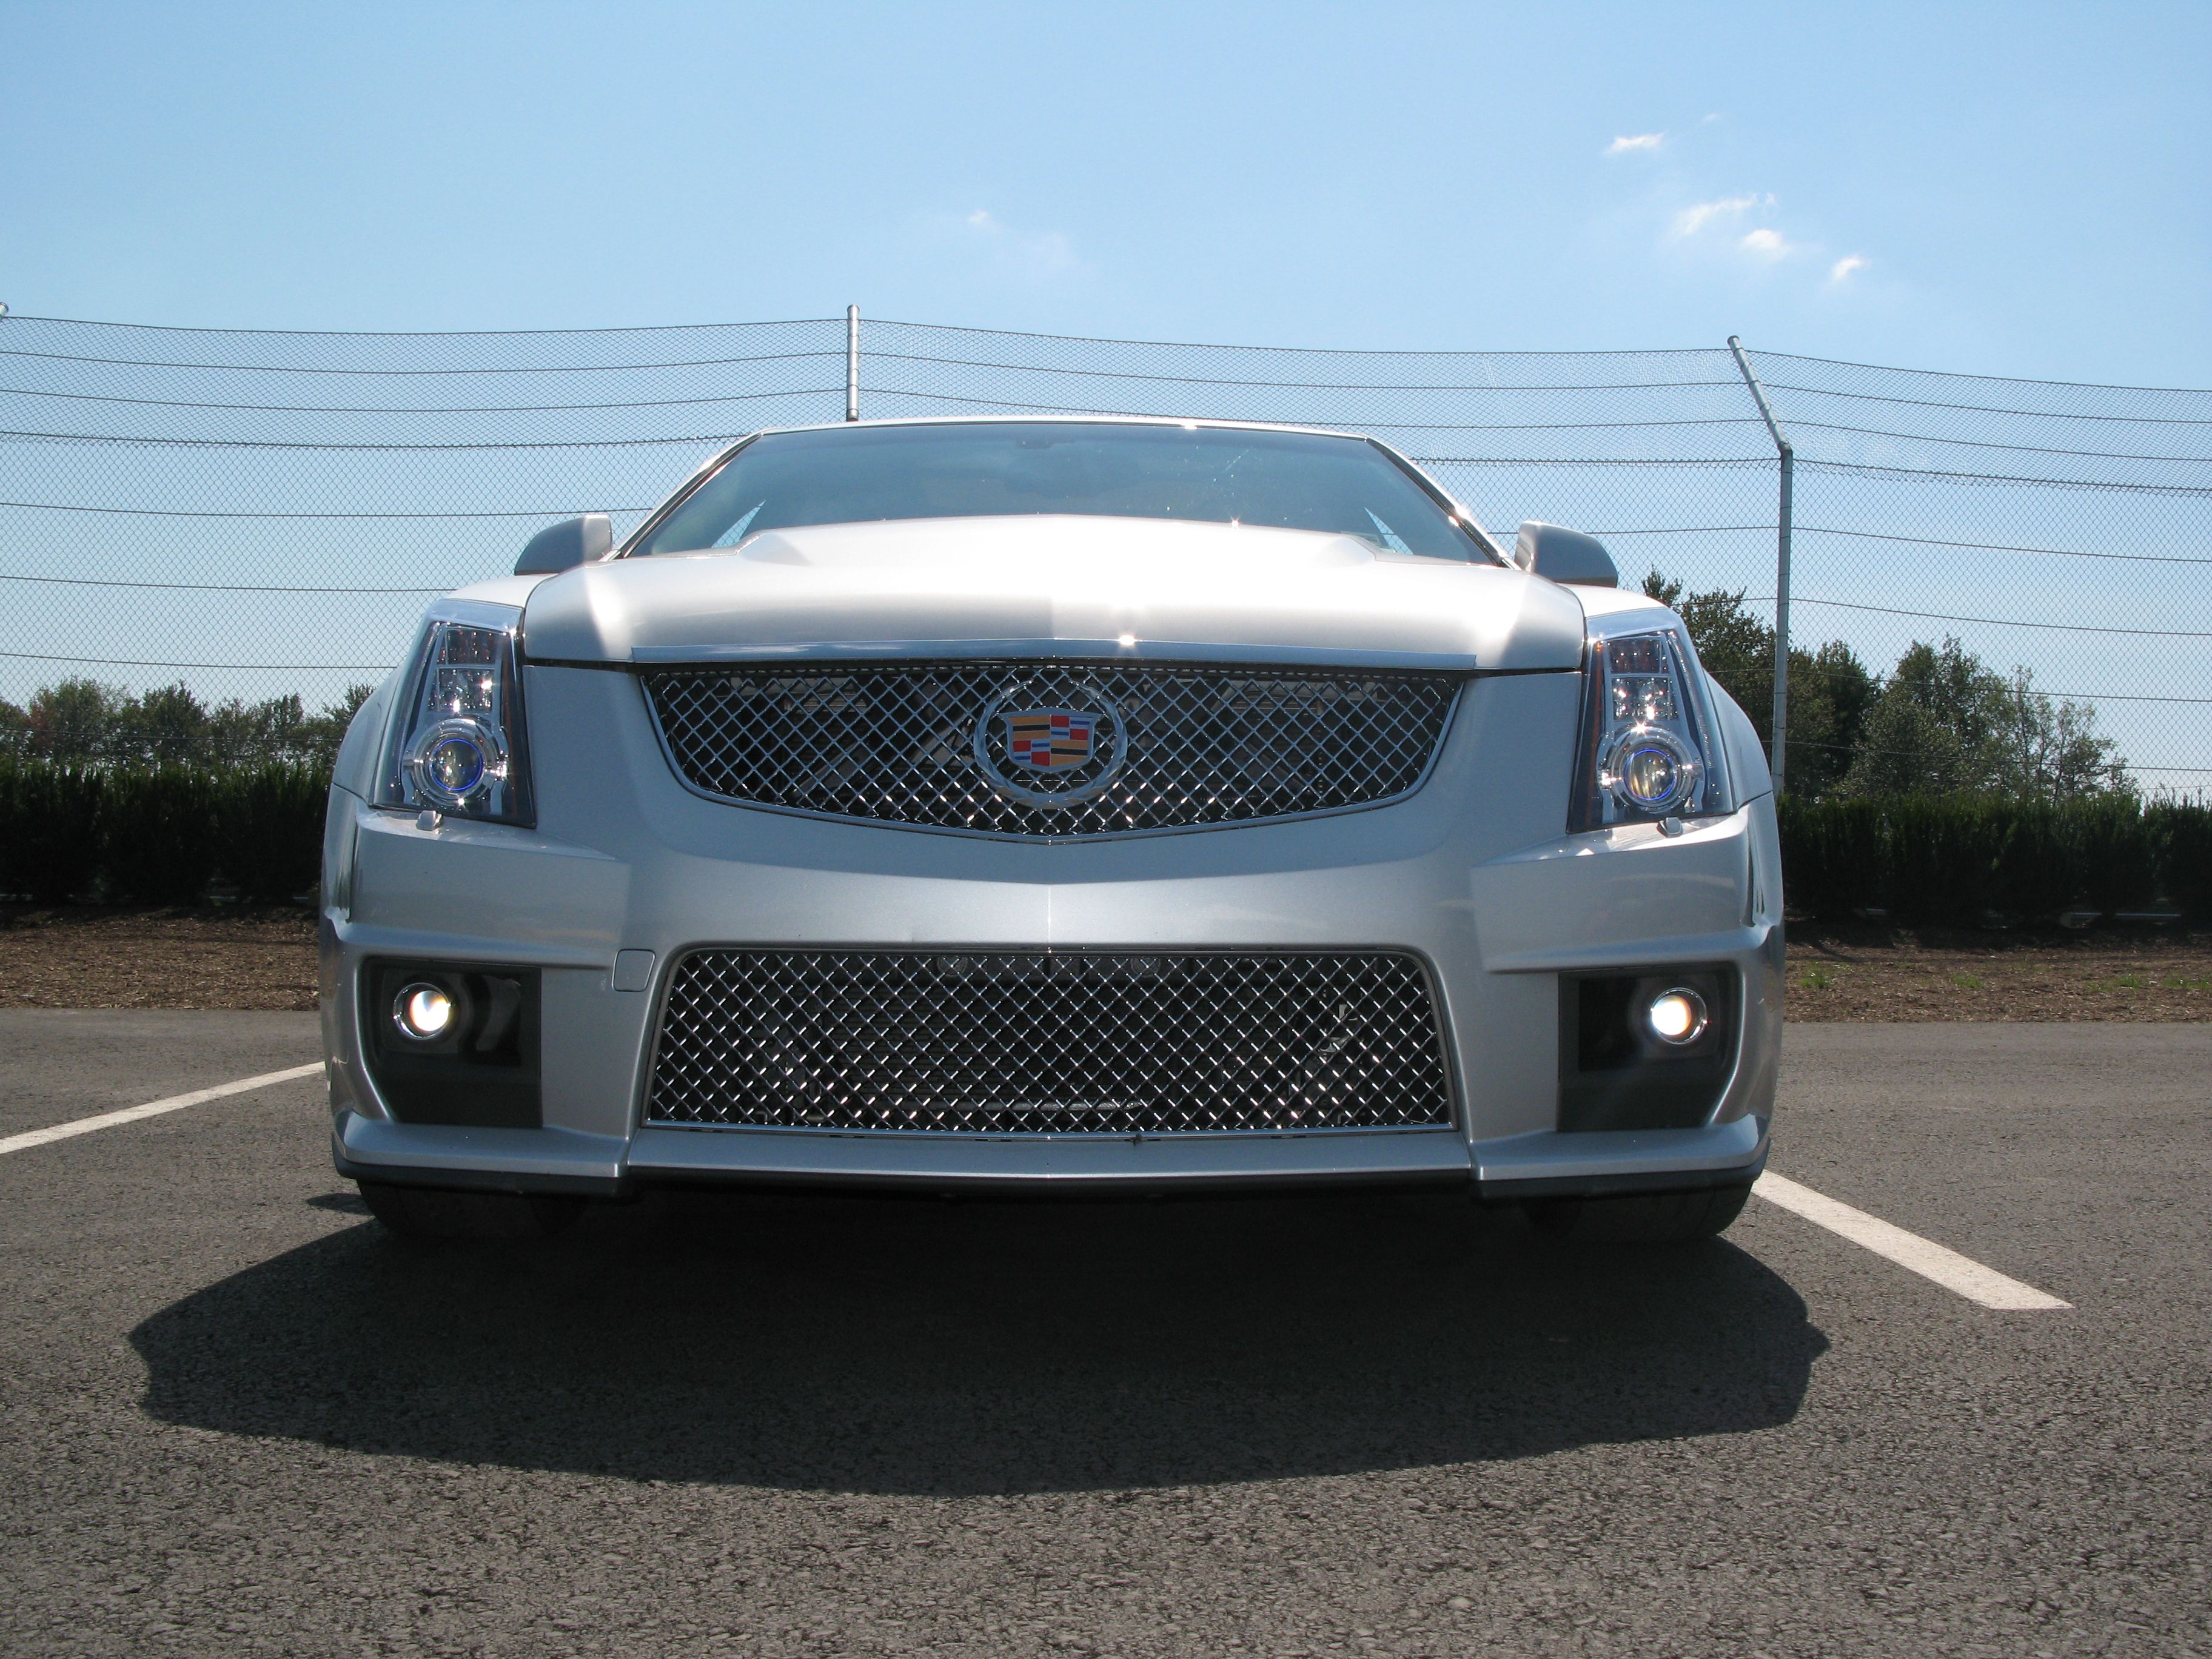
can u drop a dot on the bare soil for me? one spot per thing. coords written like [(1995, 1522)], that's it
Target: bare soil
[(239, 956), (1874, 973), (95, 957)]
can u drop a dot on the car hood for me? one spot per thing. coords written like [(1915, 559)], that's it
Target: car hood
[(1062, 585)]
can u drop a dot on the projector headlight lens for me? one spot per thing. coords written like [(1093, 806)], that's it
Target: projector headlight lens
[(455, 761), (423, 1011), (1678, 1017), (456, 740), (1651, 771)]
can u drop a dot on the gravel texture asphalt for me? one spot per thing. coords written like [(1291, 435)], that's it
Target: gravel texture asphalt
[(239, 1418)]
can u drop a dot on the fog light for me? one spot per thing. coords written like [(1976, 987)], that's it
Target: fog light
[(423, 1011), (1678, 1017)]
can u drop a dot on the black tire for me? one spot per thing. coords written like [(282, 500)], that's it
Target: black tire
[(434, 1212), (1640, 1218)]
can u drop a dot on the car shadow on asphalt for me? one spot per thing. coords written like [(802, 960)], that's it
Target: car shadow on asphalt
[(840, 1344)]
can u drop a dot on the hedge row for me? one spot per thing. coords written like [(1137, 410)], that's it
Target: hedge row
[(162, 834), (1966, 859), (166, 835)]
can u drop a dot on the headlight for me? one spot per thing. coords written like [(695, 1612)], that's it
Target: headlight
[(457, 744), (1650, 747)]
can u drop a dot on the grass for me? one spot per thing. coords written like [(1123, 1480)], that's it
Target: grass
[(1819, 979), (1969, 982)]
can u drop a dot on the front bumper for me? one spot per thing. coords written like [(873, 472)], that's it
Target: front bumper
[(1475, 879)]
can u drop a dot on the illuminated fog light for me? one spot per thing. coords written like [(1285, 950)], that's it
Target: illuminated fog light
[(423, 1011), (1677, 1016)]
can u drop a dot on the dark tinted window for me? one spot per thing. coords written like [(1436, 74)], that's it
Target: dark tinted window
[(1288, 480)]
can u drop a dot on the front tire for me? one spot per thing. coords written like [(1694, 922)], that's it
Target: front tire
[(435, 1212), (1640, 1218)]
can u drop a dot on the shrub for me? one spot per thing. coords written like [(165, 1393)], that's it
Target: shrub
[(2116, 852), (1943, 856), (269, 825), (1835, 856), (49, 830), (2185, 835), (2039, 870), (157, 834), (1953, 857)]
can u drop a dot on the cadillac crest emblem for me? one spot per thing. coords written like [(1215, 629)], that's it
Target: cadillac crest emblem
[(1042, 738), (1049, 745)]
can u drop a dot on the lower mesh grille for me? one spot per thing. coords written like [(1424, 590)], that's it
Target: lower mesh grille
[(1031, 1042)]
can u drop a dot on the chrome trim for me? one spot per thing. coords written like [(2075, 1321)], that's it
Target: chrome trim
[(1189, 651), (1098, 1163)]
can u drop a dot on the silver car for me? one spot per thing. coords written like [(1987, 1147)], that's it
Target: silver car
[(1027, 806)]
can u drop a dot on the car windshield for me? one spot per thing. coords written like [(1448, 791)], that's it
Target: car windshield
[(1211, 475)]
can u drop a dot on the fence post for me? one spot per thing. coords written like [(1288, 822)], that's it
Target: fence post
[(851, 363), (1779, 749)]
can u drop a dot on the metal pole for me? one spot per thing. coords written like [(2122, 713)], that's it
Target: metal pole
[(851, 363), (1780, 748)]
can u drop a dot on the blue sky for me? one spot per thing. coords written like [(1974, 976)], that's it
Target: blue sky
[(2011, 189)]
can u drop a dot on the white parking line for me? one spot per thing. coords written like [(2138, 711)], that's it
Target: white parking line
[(1946, 1268), (85, 1126)]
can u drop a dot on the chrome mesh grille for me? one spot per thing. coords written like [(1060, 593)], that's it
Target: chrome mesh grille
[(1201, 744), (1049, 1042)]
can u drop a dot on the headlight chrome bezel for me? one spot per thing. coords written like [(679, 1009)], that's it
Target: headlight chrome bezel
[(1645, 693), (463, 686)]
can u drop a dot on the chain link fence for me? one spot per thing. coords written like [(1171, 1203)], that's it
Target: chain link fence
[(252, 515)]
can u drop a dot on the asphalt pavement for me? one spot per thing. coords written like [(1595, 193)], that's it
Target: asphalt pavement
[(236, 1418)]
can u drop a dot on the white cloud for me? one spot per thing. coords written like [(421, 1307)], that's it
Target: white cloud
[(1768, 243), (1623, 145), (1034, 254), (1841, 271), (1692, 220)]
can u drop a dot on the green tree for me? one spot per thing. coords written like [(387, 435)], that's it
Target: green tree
[(74, 721), (1944, 723), (161, 728), (82, 722), (2054, 747), (319, 737), (1830, 689), (241, 733)]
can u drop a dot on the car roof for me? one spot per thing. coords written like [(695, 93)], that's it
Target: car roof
[(1185, 421)]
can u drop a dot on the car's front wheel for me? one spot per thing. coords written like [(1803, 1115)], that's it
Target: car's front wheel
[(1640, 1218), (434, 1212)]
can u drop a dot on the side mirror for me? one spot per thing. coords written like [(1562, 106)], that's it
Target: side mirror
[(1563, 555), (565, 546)]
